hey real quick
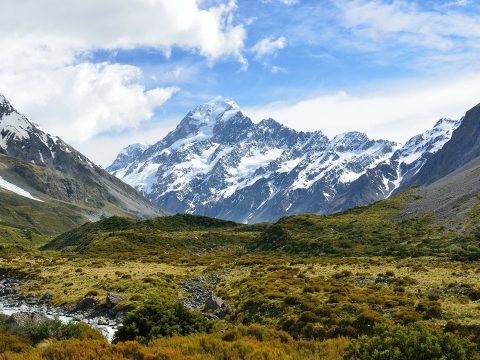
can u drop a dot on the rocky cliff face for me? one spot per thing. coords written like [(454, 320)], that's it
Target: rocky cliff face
[(463, 147)]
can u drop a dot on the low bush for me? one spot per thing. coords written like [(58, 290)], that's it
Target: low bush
[(13, 343), (414, 342), (57, 330), (158, 318)]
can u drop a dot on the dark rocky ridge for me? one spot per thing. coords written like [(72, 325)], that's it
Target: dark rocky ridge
[(463, 147)]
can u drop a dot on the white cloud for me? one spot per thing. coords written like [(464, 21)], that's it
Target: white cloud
[(268, 46), (79, 101), (45, 66), (104, 149), (112, 24), (404, 22), (277, 69), (394, 113), (284, 2)]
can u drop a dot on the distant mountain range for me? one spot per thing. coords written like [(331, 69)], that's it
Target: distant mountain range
[(219, 163), (41, 174)]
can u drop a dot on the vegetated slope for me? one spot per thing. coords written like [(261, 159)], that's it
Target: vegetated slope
[(448, 185), (219, 163), (52, 168), (29, 223), (378, 229), (176, 235), (37, 203)]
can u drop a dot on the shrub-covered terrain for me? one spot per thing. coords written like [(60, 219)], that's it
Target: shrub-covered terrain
[(367, 283)]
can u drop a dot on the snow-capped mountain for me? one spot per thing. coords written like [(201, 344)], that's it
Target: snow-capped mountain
[(24, 140), (49, 167), (395, 173), (127, 156), (217, 162)]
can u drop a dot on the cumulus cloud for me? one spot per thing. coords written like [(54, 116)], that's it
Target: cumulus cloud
[(268, 46), (107, 24), (46, 69), (80, 101), (395, 113)]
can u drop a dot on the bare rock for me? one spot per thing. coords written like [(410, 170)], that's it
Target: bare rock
[(113, 300), (22, 319)]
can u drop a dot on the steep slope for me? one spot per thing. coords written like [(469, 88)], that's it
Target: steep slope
[(387, 177), (52, 169), (454, 200), (463, 147), (218, 163)]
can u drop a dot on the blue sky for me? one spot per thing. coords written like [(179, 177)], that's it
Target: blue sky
[(389, 68)]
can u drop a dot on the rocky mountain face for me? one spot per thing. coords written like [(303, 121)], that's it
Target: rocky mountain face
[(391, 175), (127, 156), (45, 166), (463, 147), (218, 163)]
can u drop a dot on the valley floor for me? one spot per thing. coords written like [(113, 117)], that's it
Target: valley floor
[(278, 307)]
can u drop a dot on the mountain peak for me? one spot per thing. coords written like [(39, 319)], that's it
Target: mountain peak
[(445, 122), (216, 109), (134, 148), (221, 102), (5, 104), (350, 138)]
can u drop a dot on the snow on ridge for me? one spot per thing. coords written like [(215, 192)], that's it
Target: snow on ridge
[(16, 189), (413, 154), (197, 167), (17, 125)]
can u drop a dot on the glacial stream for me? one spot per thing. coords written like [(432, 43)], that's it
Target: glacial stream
[(108, 330)]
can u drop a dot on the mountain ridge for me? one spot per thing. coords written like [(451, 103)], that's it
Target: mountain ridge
[(217, 162), (36, 164)]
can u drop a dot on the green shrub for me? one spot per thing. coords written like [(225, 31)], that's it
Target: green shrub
[(158, 318), (367, 320), (410, 343), (57, 330)]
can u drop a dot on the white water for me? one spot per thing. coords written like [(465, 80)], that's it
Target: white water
[(106, 330)]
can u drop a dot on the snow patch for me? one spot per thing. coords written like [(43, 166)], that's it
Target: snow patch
[(17, 190)]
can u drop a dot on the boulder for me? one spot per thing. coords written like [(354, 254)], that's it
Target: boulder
[(22, 319), (87, 303), (112, 300), (213, 303)]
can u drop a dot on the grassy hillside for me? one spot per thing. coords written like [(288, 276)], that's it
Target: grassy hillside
[(172, 236), (66, 203), (379, 229), (30, 223)]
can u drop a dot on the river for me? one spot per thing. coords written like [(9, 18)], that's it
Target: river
[(108, 331)]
